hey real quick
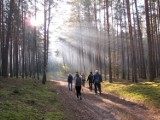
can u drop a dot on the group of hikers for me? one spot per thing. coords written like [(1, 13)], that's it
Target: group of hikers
[(79, 81)]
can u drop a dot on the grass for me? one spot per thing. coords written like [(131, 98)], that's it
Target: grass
[(146, 93), (28, 99)]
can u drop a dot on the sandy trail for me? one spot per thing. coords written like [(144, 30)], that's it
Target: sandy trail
[(100, 107)]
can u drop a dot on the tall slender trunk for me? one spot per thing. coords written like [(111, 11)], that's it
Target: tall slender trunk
[(109, 48), (150, 60), (1, 2), (134, 67), (105, 43), (11, 55), (142, 63), (45, 46), (23, 42), (6, 46)]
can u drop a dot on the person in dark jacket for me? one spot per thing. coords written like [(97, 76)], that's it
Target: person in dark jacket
[(97, 79), (70, 79), (90, 79), (78, 86)]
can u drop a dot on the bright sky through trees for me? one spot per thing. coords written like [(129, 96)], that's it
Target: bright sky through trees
[(60, 16)]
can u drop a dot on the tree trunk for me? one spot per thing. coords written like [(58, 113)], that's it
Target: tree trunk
[(23, 42), (132, 44), (6, 46), (150, 62), (109, 48), (141, 52), (1, 2)]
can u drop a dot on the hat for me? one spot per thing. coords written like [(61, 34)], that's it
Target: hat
[(96, 71)]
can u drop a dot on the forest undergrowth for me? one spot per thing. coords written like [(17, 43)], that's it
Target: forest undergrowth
[(145, 93), (28, 99)]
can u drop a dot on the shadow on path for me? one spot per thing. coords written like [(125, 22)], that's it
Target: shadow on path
[(101, 107), (121, 101)]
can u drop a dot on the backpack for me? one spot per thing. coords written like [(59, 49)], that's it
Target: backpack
[(78, 81), (97, 78)]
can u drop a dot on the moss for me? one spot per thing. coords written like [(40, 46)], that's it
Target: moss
[(147, 93), (53, 116), (33, 101)]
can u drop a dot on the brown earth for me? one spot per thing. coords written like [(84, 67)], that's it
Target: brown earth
[(100, 107)]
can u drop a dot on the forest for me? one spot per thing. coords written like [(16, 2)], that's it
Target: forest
[(24, 48), (120, 38)]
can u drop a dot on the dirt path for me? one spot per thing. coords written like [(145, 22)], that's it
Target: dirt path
[(100, 107)]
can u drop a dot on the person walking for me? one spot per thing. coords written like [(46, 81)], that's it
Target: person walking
[(74, 78), (83, 79), (70, 79), (78, 87), (97, 79), (90, 79)]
